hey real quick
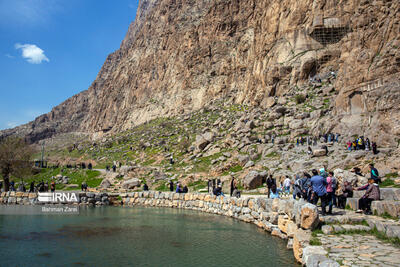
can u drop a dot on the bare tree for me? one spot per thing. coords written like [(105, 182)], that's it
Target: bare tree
[(15, 159)]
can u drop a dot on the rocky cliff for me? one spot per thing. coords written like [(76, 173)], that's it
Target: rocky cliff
[(181, 55)]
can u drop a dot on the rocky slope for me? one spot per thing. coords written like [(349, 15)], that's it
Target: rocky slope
[(182, 55)]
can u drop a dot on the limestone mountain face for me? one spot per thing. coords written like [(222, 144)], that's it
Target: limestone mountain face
[(182, 55)]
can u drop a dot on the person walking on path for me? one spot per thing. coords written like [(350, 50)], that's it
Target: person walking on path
[(318, 184), (171, 186), (286, 185), (297, 187), (330, 191), (374, 174), (270, 182)]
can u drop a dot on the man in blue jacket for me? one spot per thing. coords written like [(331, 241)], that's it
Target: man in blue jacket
[(318, 184)]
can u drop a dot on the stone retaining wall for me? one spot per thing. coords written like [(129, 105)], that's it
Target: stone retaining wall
[(291, 220)]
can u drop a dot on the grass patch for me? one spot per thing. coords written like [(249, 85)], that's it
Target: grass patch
[(316, 232), (392, 175), (272, 155), (314, 241), (148, 162), (198, 185), (163, 186), (388, 182)]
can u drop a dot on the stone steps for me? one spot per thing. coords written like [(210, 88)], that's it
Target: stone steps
[(386, 206), (381, 207)]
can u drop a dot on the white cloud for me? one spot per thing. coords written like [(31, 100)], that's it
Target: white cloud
[(12, 124), (28, 12), (32, 53), (9, 56)]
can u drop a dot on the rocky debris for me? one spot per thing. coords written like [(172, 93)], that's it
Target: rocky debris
[(60, 179), (243, 159), (158, 175), (124, 170)]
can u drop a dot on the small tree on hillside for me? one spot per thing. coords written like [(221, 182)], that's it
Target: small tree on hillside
[(15, 159)]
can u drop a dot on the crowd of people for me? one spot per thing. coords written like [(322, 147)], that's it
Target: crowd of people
[(180, 188), (361, 144), (323, 186), (40, 187), (313, 140)]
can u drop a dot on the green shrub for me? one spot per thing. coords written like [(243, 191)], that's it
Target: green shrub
[(300, 99)]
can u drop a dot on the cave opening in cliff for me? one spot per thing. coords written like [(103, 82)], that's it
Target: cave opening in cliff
[(329, 35)]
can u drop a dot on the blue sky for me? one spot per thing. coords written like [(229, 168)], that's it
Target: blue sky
[(51, 50)]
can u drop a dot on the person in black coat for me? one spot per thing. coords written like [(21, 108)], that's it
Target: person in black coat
[(270, 182), (185, 189), (171, 186), (233, 185), (32, 187)]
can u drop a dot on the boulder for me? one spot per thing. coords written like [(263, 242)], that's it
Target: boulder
[(351, 177), (319, 152), (125, 169), (252, 180), (243, 159), (209, 136), (296, 124), (158, 175), (131, 183), (283, 221), (301, 239), (291, 229), (65, 180), (201, 143), (309, 218), (105, 183), (250, 125), (327, 229), (249, 164)]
